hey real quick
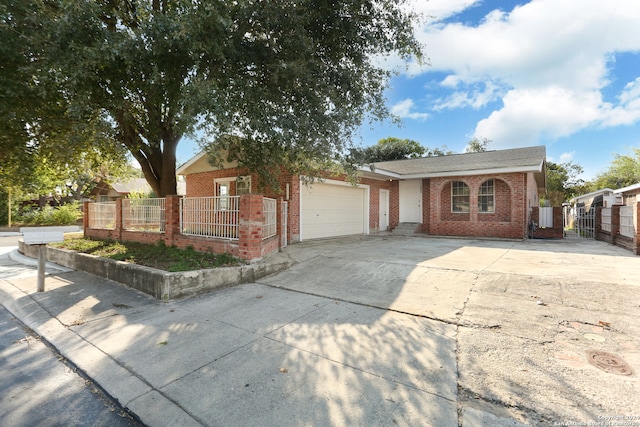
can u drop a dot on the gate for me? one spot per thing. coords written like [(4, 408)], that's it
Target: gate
[(579, 223)]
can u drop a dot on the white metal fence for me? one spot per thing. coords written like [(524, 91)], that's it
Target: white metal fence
[(269, 228), (628, 221), (579, 223), (545, 217), (102, 215), (210, 216), (143, 214), (606, 220), (285, 221)]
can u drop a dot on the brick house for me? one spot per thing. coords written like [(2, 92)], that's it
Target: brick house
[(487, 194)]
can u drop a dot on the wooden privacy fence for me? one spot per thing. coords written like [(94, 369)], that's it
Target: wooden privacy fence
[(247, 226)]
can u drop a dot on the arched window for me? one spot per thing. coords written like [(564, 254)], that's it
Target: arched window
[(486, 197), (459, 197)]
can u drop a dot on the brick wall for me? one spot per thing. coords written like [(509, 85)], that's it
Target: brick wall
[(556, 231), (509, 219)]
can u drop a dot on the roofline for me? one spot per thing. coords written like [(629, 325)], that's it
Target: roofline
[(593, 193), (190, 162), (627, 188), (455, 173)]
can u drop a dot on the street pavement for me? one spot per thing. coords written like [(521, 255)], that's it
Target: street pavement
[(38, 389), (377, 330)]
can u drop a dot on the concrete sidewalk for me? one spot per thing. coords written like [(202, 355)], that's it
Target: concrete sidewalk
[(361, 331)]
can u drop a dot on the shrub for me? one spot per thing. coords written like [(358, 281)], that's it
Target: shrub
[(60, 215)]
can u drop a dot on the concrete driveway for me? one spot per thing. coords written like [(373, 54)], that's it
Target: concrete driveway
[(526, 316), (363, 331)]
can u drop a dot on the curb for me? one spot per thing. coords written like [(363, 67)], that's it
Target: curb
[(124, 386)]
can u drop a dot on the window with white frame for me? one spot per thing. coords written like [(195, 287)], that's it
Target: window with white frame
[(222, 191), (486, 197), (459, 197), (243, 185)]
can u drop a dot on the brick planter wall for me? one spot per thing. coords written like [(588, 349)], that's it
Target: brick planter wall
[(249, 246)]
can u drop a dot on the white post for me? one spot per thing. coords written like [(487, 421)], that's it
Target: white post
[(42, 259)]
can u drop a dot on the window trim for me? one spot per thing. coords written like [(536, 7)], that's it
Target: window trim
[(242, 181), (454, 196), (491, 195)]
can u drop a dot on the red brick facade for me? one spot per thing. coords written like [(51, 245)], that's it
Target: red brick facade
[(202, 184), (508, 220)]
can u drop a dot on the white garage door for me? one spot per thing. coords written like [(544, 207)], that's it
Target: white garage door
[(328, 210)]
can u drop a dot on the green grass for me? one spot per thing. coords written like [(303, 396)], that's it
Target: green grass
[(168, 258)]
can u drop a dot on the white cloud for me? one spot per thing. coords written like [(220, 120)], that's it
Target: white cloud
[(476, 98), (567, 157), (528, 115), (404, 109), (548, 60)]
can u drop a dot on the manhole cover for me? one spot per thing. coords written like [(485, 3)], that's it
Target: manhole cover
[(609, 363)]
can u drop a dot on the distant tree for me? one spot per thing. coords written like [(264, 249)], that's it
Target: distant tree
[(563, 182), (623, 171), (477, 145), (392, 148)]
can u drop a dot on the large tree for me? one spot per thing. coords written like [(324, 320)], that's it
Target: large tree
[(277, 83), (45, 140), (563, 182), (623, 171)]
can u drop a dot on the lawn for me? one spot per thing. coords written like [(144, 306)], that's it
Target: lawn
[(158, 256)]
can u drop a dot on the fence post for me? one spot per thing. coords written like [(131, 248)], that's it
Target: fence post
[(636, 234), (117, 230), (85, 216), (172, 218), (250, 226), (615, 223), (279, 222)]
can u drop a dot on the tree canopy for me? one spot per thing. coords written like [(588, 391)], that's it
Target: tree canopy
[(623, 171), (271, 84), (477, 145), (45, 141), (563, 182), (392, 148)]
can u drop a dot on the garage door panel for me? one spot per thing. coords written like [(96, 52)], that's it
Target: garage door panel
[(331, 210)]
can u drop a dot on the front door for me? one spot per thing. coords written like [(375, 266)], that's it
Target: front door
[(384, 210), (411, 201)]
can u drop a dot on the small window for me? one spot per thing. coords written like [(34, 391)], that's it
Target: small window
[(486, 197), (459, 197), (223, 193), (243, 185)]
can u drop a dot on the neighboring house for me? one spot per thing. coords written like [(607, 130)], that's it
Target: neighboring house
[(630, 194), (487, 194), (104, 192), (602, 198)]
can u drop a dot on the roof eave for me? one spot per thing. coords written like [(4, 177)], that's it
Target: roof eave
[(182, 168), (519, 169)]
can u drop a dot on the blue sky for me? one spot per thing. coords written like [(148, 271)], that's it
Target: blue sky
[(559, 73)]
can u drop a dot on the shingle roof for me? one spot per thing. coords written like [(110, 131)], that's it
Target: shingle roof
[(521, 159)]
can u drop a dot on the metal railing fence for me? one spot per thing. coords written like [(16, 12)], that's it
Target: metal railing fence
[(143, 214), (102, 215), (210, 216), (269, 224)]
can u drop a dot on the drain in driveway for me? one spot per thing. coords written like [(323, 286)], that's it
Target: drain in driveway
[(609, 363)]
